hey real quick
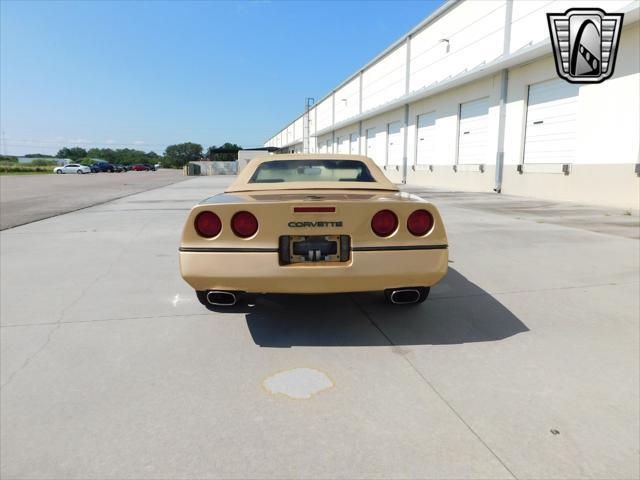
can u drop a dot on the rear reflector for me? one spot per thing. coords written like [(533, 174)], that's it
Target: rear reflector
[(420, 222), (207, 224), (384, 223), (314, 209), (244, 224)]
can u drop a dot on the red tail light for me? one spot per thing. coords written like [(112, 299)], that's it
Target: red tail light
[(207, 224), (384, 223), (420, 222), (244, 224)]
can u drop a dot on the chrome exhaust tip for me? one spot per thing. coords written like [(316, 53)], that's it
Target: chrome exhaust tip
[(219, 298), (404, 296)]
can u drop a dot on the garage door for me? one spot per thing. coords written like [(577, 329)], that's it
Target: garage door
[(373, 152), (473, 137), (353, 144), (343, 144), (394, 143), (552, 117), (425, 141)]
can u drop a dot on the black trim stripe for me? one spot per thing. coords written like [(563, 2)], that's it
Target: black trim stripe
[(206, 249), (354, 249), (408, 247)]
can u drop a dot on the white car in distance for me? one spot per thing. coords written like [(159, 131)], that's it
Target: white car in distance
[(72, 168)]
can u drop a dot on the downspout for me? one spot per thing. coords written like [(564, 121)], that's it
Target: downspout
[(407, 78), (333, 122), (360, 112), (504, 87), (504, 81)]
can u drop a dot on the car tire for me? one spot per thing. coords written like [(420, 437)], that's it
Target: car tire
[(80, 171), (58, 172), (423, 292)]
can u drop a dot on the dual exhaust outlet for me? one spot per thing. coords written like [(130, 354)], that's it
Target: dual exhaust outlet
[(399, 296), (220, 298), (404, 296)]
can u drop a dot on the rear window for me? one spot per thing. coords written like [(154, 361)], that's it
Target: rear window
[(312, 171)]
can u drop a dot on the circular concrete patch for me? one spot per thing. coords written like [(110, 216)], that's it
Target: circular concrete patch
[(298, 383)]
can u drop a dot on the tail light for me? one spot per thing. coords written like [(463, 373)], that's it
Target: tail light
[(384, 223), (207, 224), (420, 222), (244, 224)]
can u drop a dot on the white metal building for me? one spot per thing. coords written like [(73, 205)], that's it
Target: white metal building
[(470, 100)]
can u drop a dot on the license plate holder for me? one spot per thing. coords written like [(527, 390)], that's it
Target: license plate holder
[(314, 249)]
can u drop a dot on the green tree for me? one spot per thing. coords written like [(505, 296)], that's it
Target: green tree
[(223, 157), (103, 154), (73, 153), (179, 155)]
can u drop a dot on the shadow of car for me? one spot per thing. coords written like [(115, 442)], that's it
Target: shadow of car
[(458, 311)]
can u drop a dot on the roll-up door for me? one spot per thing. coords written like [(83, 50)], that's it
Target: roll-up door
[(394, 143), (353, 143), (425, 140), (371, 147), (473, 135), (550, 131), (343, 144)]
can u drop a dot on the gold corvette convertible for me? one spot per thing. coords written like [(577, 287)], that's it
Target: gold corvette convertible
[(313, 223)]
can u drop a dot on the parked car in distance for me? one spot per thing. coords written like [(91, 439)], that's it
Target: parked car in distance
[(72, 168), (157, 166), (150, 167), (139, 167), (103, 167), (119, 168)]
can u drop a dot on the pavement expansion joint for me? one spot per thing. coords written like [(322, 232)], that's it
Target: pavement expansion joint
[(405, 356)]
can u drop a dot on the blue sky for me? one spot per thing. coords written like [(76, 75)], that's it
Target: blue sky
[(148, 74)]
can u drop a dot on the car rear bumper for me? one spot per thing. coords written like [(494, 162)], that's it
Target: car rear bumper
[(260, 272)]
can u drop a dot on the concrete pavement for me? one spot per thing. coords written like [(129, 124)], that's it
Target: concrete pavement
[(28, 198), (523, 363)]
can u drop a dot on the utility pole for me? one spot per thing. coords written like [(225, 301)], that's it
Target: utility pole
[(308, 103)]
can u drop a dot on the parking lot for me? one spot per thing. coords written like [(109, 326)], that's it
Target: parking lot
[(523, 363), (25, 199)]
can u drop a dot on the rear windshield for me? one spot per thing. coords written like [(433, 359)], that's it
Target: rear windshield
[(312, 171)]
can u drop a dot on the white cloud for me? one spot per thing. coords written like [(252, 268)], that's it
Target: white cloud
[(139, 142)]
